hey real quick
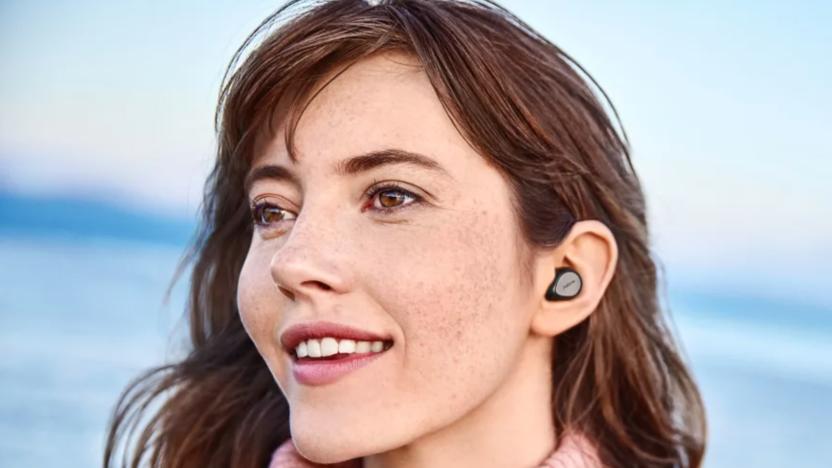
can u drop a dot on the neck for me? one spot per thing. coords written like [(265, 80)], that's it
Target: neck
[(512, 427)]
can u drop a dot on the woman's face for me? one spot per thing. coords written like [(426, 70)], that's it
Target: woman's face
[(438, 273)]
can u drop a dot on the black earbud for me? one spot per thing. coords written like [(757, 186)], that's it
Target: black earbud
[(566, 285)]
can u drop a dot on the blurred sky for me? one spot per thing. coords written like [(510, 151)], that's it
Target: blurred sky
[(726, 104)]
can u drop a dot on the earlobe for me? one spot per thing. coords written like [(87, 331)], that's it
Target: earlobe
[(575, 275)]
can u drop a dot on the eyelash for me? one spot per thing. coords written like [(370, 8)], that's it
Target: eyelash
[(256, 208)]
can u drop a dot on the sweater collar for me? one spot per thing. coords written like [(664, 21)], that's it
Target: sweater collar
[(575, 451)]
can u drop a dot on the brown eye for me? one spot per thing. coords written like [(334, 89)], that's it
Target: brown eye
[(266, 214), (391, 198)]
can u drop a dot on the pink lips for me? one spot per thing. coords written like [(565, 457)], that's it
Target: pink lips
[(293, 335), (323, 371), (312, 371)]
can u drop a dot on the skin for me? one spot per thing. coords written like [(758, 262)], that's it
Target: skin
[(467, 382)]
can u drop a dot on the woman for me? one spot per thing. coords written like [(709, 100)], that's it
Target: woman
[(424, 244)]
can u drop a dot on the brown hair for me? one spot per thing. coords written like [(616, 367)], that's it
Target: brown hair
[(527, 108)]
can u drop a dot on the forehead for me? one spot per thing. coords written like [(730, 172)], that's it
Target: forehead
[(384, 101)]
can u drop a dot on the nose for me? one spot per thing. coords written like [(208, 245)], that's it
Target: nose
[(310, 263)]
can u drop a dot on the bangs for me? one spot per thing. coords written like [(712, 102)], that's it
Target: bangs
[(284, 73), (286, 105)]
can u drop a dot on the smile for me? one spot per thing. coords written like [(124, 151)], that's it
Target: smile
[(323, 370)]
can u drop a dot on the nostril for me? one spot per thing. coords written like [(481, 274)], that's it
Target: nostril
[(319, 284), (286, 292), (312, 283)]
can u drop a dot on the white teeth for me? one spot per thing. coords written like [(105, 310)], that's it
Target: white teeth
[(314, 348), (328, 346), (346, 346), (301, 350), (362, 347)]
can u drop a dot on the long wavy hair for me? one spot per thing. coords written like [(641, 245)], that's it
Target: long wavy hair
[(530, 110)]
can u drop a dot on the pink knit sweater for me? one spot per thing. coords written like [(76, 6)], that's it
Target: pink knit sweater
[(575, 452)]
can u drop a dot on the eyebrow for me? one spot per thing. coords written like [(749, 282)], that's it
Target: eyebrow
[(351, 166)]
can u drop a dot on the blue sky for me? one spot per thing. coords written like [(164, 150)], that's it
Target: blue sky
[(727, 108)]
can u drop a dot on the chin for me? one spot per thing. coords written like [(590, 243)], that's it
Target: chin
[(328, 437), (332, 445)]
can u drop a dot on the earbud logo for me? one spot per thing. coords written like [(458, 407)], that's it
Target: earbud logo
[(569, 284)]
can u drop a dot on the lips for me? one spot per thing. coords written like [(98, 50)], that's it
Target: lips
[(293, 335), (316, 372)]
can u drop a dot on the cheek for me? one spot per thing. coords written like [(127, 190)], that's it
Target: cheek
[(456, 308), (256, 303), (259, 303)]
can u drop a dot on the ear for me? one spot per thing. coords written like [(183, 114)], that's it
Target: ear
[(591, 250)]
